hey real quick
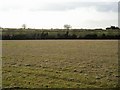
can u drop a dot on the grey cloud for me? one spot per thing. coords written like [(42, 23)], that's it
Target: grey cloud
[(64, 6), (100, 6), (108, 7)]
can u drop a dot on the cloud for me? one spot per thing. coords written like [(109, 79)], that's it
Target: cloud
[(57, 5), (54, 13), (78, 18), (100, 6)]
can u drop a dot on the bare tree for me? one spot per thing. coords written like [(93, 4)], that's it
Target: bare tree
[(24, 26), (66, 26)]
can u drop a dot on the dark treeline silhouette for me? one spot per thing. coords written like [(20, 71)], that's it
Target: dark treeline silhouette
[(27, 34)]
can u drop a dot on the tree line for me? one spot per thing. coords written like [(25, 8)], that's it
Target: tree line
[(66, 34)]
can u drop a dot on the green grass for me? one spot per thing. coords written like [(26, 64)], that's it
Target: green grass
[(60, 64)]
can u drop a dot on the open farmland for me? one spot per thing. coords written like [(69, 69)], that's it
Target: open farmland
[(60, 63)]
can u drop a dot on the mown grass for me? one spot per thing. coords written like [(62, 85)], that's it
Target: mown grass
[(60, 64)]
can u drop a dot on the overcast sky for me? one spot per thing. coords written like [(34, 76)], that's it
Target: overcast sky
[(56, 13)]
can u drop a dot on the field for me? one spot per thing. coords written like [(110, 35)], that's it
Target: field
[(60, 63)]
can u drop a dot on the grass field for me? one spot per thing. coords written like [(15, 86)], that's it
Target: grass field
[(60, 64)]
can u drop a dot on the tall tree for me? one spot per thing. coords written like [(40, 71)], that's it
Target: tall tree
[(24, 26), (66, 26)]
